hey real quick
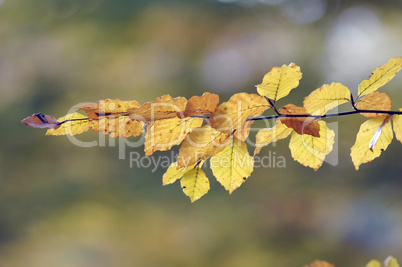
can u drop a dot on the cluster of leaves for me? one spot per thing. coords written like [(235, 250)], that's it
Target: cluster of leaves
[(389, 262), (220, 136)]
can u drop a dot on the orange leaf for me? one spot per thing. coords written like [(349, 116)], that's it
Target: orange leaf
[(199, 105), (374, 101), (233, 115), (38, 120), (301, 125), (318, 263), (164, 134), (202, 143), (164, 107)]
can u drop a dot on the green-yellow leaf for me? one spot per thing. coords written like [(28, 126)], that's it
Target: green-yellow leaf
[(326, 98), (380, 76), (397, 121), (377, 130), (389, 262), (310, 151), (195, 183), (233, 165), (277, 83), (270, 135)]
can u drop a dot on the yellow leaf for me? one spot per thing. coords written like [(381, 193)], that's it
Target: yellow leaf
[(360, 152), (380, 76), (199, 105), (310, 151), (374, 101), (397, 120), (195, 183), (173, 173), (233, 165), (280, 81), (389, 262), (164, 134), (74, 123), (267, 136), (164, 107), (302, 125), (202, 143), (326, 98), (118, 126), (233, 115)]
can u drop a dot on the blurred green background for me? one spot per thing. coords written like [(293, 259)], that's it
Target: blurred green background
[(65, 205)]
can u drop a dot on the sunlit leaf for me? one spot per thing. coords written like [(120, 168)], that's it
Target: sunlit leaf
[(310, 151), (269, 135), (301, 125), (199, 105), (361, 152), (201, 144), (173, 173), (163, 134), (374, 101), (195, 183), (397, 121), (107, 107), (326, 98), (389, 262), (232, 115), (164, 107), (277, 83), (233, 165), (380, 76)]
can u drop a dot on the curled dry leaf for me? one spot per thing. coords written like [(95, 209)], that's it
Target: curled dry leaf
[(38, 120), (301, 125)]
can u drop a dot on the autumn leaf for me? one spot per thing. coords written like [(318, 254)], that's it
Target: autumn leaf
[(310, 151), (302, 125), (374, 101), (326, 98), (108, 107), (164, 134), (380, 76), (164, 107), (233, 165), (38, 120), (277, 83), (232, 115), (389, 262), (318, 263), (397, 120), (74, 123), (270, 135), (199, 105), (173, 173), (195, 183), (201, 144), (363, 150)]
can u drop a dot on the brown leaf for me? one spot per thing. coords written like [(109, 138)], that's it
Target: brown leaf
[(301, 125), (38, 120), (374, 101), (164, 107), (199, 105)]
